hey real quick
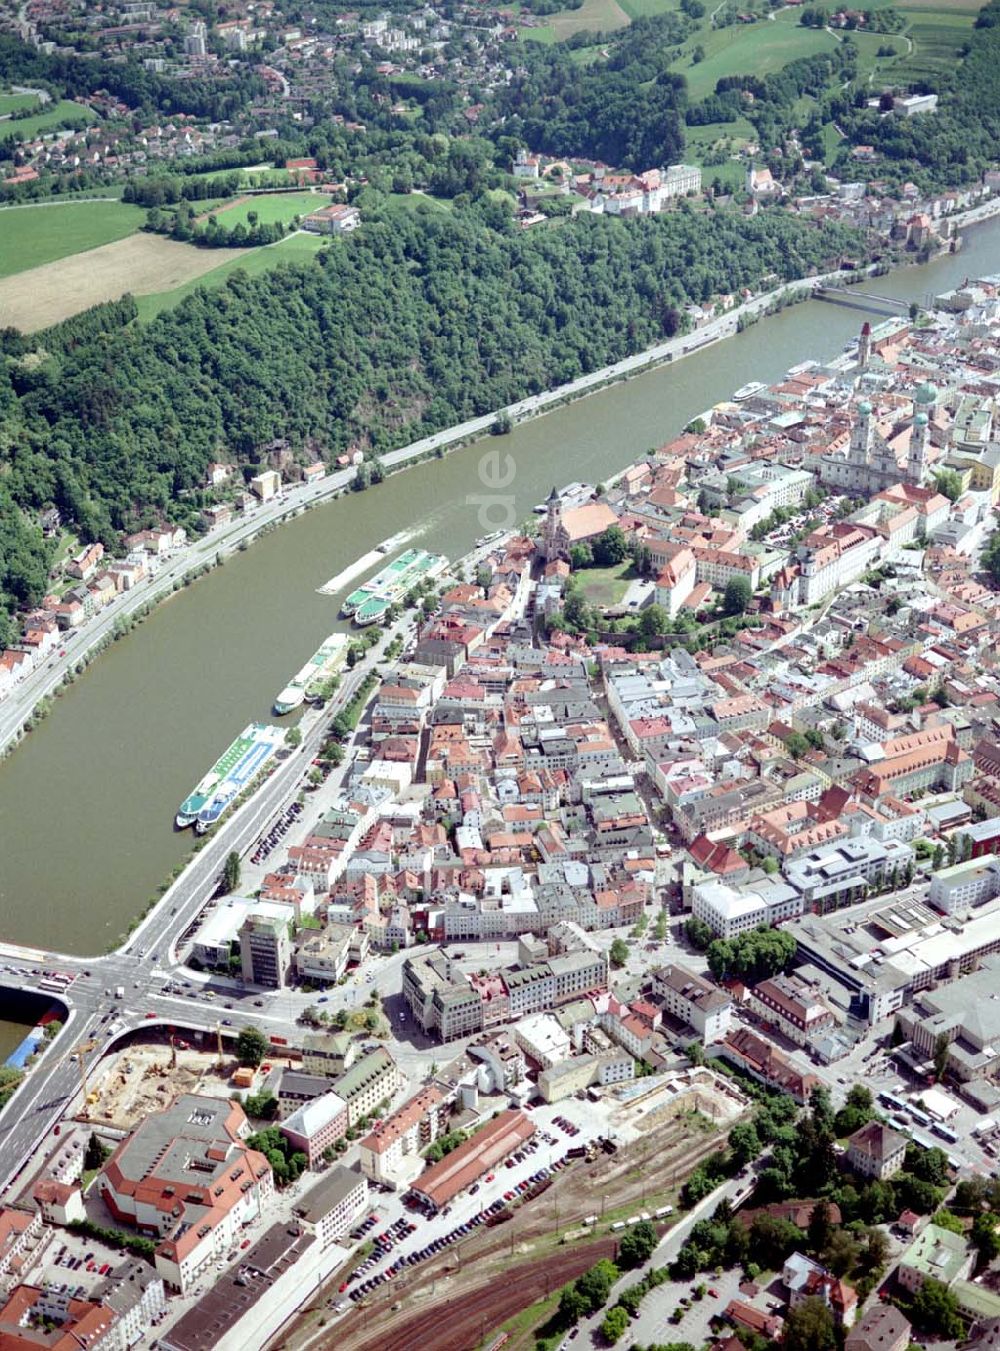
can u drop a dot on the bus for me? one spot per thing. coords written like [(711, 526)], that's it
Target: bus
[(921, 1118), (893, 1103), (945, 1132)]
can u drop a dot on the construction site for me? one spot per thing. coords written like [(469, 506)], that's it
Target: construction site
[(142, 1078), (454, 1301)]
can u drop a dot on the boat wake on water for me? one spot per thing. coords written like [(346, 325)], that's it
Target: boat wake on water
[(368, 560)]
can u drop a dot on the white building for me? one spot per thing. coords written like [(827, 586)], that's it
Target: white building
[(543, 1039), (963, 887), (677, 180), (330, 1208), (729, 912)]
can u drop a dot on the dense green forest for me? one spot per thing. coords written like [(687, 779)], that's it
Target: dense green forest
[(626, 111), (413, 324)]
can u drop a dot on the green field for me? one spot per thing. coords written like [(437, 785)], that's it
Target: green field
[(55, 113), (744, 49), (16, 103), (280, 206), (597, 16), (295, 249), (418, 201), (607, 586), (937, 34), (32, 235)]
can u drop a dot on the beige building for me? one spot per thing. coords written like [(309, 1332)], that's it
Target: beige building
[(266, 484), (372, 1080), (404, 1134), (793, 1007), (876, 1151)]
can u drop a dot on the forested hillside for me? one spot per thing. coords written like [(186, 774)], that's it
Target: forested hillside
[(625, 111), (413, 324)]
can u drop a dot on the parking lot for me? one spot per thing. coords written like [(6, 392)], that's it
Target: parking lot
[(655, 1324), (405, 1236)]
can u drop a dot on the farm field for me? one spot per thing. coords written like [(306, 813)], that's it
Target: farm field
[(758, 49), (969, 7), (936, 33), (282, 206), (640, 9), (140, 264), (16, 103), (297, 248), (33, 235), (65, 110), (594, 15)]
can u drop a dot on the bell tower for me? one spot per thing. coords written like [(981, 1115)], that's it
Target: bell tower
[(552, 536), (861, 434), (865, 346), (916, 460)]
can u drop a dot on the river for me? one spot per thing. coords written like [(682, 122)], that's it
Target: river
[(87, 802)]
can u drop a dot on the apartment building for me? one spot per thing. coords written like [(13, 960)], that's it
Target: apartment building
[(328, 1053), (19, 1230), (694, 1001), (370, 1081), (793, 1007), (409, 1129)]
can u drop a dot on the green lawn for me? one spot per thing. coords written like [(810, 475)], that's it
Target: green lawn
[(937, 34), (296, 248), (418, 201), (32, 235), (268, 171), (280, 206), (53, 115), (741, 49), (607, 586), (597, 16), (16, 103), (586, 56), (724, 136), (832, 142), (638, 9)]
